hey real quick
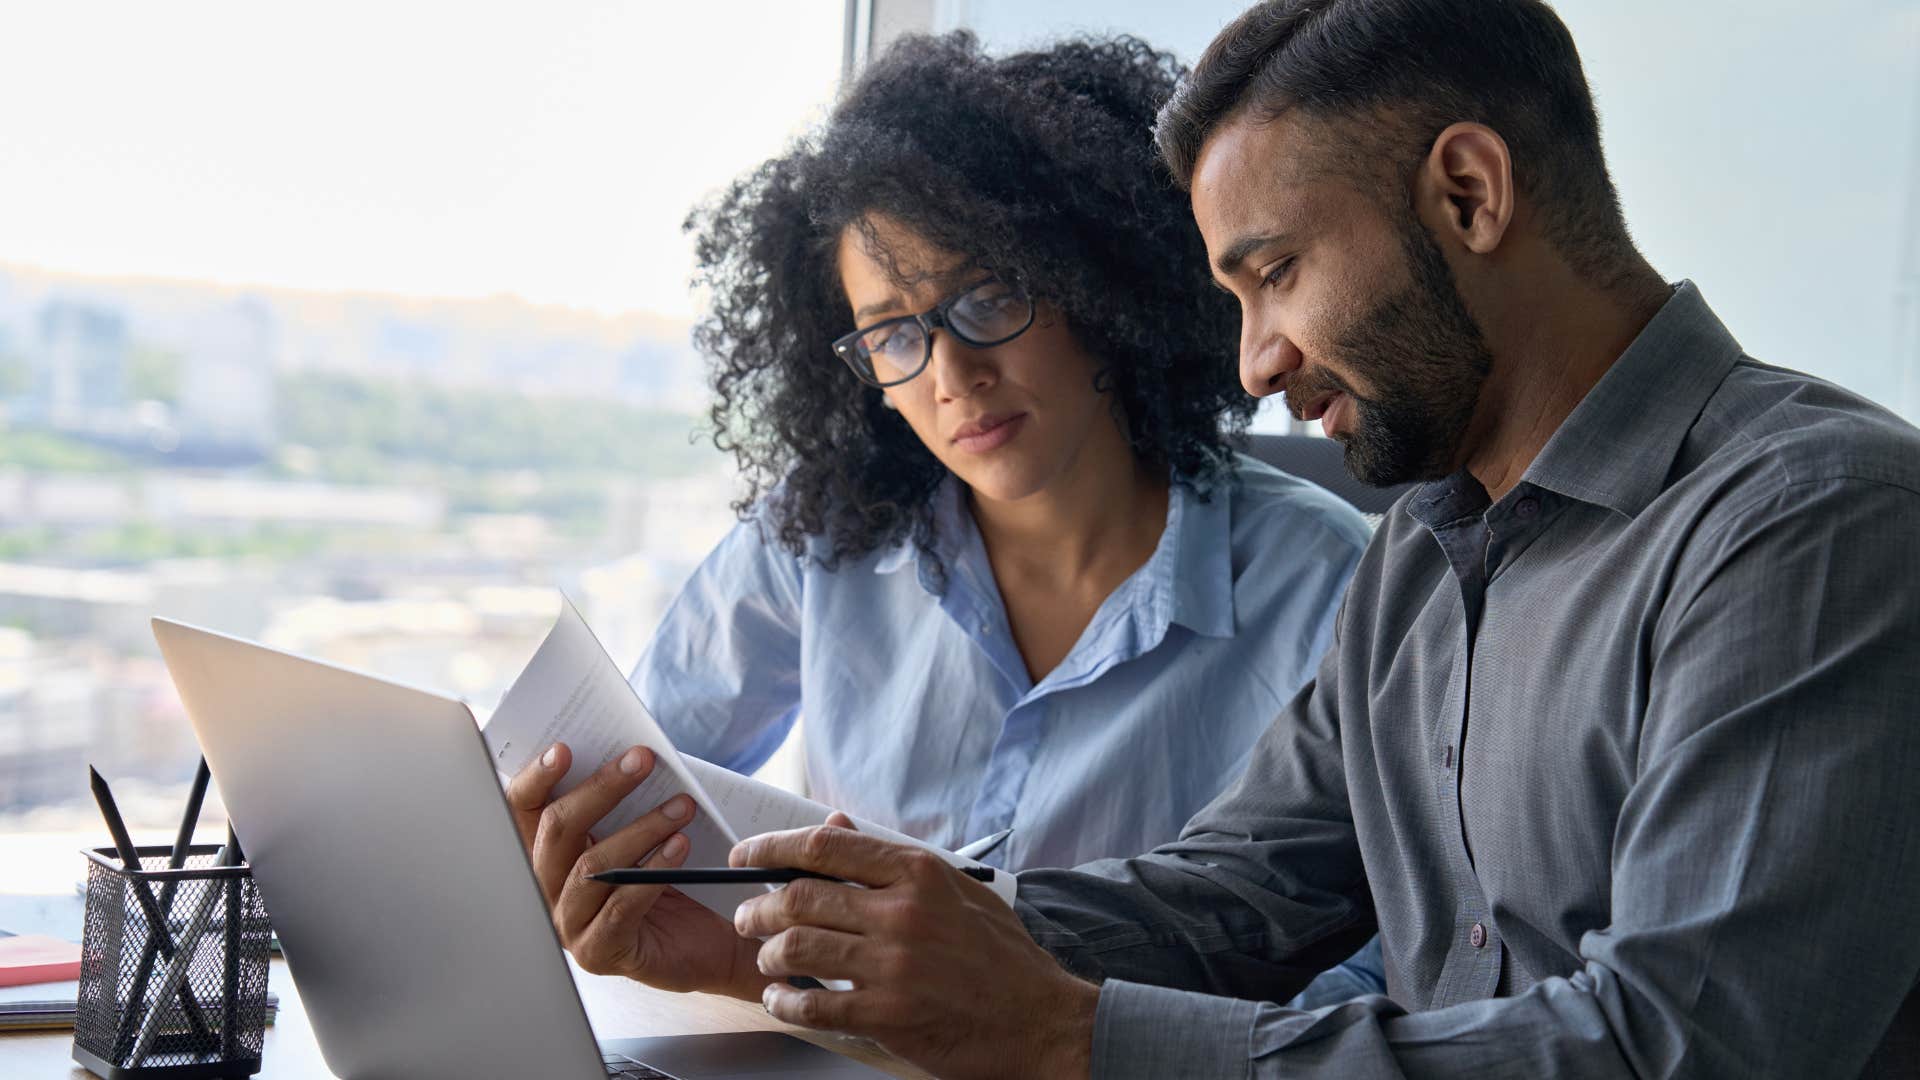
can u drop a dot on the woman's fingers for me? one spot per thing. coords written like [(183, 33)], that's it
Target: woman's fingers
[(531, 788), (581, 898), (562, 831), (610, 941)]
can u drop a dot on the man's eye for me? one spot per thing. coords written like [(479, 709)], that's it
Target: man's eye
[(1279, 272)]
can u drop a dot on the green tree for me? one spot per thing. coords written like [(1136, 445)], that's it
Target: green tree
[(16, 374), (154, 374), (484, 429)]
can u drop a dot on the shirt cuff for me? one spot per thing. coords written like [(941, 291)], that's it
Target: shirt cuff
[(1152, 1031)]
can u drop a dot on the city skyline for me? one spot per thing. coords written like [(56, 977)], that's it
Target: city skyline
[(501, 341)]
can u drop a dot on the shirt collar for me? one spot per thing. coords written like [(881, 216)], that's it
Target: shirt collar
[(1188, 579), (952, 535), (1619, 443), (894, 558), (1198, 546)]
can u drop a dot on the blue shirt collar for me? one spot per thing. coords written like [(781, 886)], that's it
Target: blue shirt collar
[(1187, 580), (1198, 545)]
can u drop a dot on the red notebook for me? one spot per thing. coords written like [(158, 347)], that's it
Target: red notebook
[(36, 958)]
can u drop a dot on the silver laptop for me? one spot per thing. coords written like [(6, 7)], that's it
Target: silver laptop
[(393, 874)]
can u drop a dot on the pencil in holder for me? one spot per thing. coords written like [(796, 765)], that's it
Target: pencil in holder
[(182, 998)]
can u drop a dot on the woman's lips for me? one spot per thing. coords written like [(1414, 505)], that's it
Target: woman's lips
[(988, 433)]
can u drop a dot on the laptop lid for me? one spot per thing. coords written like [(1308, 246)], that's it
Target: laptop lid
[(389, 863)]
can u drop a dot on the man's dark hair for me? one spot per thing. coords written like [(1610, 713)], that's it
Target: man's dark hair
[(1387, 76), (1035, 166)]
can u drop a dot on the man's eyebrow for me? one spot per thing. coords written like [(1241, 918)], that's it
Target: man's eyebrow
[(1229, 261)]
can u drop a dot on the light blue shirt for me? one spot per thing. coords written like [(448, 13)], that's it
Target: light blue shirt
[(920, 714)]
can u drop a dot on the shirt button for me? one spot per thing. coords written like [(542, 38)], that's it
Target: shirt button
[(1526, 507), (1477, 937)]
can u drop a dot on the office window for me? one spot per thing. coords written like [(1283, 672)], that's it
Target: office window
[(1769, 152), (355, 328)]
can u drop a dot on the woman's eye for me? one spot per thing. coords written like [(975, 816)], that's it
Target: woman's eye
[(896, 342)]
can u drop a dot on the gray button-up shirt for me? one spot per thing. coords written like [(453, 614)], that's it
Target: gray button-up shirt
[(1625, 768)]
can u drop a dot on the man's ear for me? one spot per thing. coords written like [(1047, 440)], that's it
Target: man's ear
[(1465, 187)]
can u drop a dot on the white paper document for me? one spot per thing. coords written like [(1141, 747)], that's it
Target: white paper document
[(752, 807), (573, 692)]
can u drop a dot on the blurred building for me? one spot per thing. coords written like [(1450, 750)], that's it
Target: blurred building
[(663, 374), (226, 389), (47, 723), (65, 705), (470, 642), (80, 369), (111, 609), (211, 500), (241, 500)]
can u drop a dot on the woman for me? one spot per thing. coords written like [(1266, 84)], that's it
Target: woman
[(996, 548)]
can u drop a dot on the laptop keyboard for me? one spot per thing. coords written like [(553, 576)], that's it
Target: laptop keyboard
[(628, 1069)]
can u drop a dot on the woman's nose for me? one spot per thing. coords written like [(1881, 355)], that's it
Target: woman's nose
[(958, 369)]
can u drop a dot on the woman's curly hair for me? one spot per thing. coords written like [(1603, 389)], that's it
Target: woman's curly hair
[(1039, 167)]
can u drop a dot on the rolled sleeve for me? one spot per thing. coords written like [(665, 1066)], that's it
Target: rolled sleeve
[(1153, 1031)]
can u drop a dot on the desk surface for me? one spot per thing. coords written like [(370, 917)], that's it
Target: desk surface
[(618, 1008)]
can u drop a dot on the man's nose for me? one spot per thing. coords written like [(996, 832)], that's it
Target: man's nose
[(1266, 359), (959, 370)]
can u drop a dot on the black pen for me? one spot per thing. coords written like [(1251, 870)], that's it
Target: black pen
[(182, 844), (742, 875), (183, 839), (156, 921)]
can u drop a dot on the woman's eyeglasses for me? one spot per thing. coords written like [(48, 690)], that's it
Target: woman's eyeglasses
[(984, 314)]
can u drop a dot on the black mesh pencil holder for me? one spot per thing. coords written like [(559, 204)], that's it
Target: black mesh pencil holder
[(181, 996)]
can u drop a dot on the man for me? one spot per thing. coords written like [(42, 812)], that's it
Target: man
[(1618, 739)]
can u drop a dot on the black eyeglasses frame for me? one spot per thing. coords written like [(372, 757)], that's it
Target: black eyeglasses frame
[(846, 347)]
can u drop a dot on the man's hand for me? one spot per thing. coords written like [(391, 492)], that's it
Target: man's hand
[(944, 975), (647, 932)]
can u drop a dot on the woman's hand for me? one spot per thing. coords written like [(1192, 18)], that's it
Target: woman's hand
[(652, 933)]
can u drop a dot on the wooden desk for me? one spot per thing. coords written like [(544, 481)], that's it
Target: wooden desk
[(618, 1008)]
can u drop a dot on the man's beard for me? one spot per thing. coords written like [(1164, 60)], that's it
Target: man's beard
[(1426, 359)]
